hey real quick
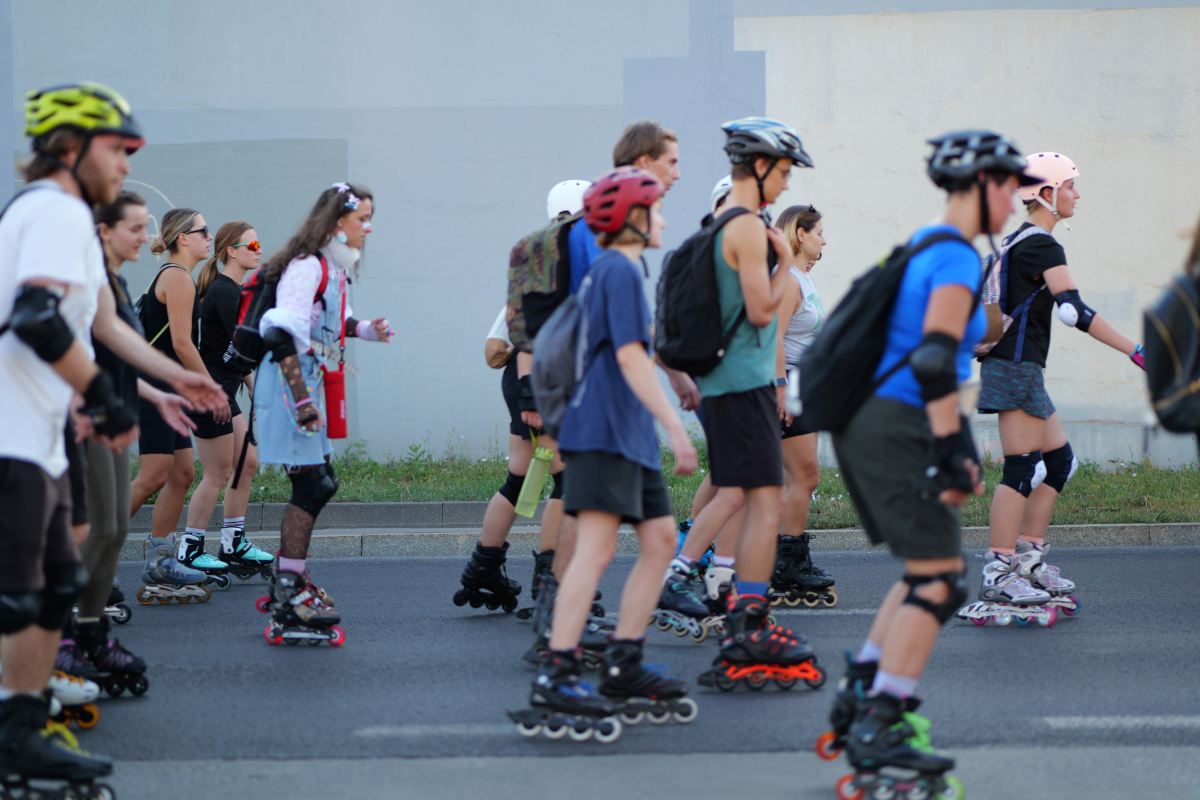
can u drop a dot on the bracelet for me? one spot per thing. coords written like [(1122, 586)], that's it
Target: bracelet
[(304, 402), (781, 381)]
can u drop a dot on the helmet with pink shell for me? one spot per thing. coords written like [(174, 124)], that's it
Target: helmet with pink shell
[(1054, 169)]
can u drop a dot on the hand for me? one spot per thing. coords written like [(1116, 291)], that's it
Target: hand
[(681, 445), (783, 250), (957, 497), (115, 444), (84, 429), (172, 408), (685, 387), (533, 419), (201, 391), (308, 417), (224, 413), (1138, 357), (781, 404)]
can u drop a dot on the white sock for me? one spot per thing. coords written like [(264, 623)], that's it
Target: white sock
[(723, 561), (234, 522), (896, 685), (868, 652)]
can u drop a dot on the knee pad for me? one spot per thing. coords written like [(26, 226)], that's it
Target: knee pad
[(1024, 473), (18, 610), (313, 489), (959, 592), (1060, 467), (64, 584), (557, 492), (510, 490)]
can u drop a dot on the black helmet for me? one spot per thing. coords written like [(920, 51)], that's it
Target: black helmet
[(958, 157), (755, 137)]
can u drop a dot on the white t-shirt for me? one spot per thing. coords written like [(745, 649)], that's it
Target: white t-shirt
[(46, 234), (500, 327)]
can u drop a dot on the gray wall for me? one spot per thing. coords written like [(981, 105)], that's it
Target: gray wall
[(458, 115)]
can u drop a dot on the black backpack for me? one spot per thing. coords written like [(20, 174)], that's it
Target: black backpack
[(1172, 346), (837, 370), (688, 335)]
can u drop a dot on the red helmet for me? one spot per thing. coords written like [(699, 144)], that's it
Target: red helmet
[(607, 201)]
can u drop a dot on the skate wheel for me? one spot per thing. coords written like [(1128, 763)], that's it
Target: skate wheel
[(686, 716), (827, 749), (725, 683), (811, 602), (556, 733), (662, 624), (608, 731), (524, 614), (756, 682), (579, 734), (460, 597), (1050, 619), (846, 790), (271, 634), (1023, 622), (204, 597), (113, 687), (313, 642), (164, 600), (775, 601), (1003, 619), (529, 731), (597, 611), (830, 601), (123, 615), (186, 599), (817, 682), (291, 642), (339, 636), (222, 582), (978, 621), (785, 683), (955, 790), (792, 602), (1068, 611), (658, 717), (475, 602), (701, 636), (634, 718), (137, 684), (263, 604), (87, 716), (102, 791)]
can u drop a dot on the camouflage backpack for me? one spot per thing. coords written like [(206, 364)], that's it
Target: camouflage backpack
[(539, 276)]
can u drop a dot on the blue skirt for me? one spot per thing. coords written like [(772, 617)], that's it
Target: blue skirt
[(280, 439)]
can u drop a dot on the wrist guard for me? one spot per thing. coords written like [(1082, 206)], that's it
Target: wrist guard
[(525, 400), (110, 416), (953, 451), (351, 327)]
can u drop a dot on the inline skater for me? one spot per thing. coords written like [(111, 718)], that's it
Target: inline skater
[(1038, 460), (884, 453), (236, 249), (51, 272), (614, 475), (801, 314), (312, 271)]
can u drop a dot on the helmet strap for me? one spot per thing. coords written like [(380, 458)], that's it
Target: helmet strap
[(1052, 207), (762, 197), (985, 217)]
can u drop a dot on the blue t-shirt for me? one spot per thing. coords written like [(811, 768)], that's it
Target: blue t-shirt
[(582, 251), (943, 263), (604, 415)]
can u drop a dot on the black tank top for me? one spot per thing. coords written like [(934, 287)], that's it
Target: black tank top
[(154, 318)]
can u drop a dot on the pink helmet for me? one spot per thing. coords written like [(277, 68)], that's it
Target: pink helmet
[(1054, 169)]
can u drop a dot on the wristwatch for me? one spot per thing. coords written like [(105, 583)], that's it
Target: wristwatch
[(781, 381)]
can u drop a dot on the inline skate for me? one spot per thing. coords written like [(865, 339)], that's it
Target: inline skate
[(888, 746), (486, 582), (685, 527), (1006, 597), (640, 692), (593, 640), (301, 615), (542, 565), (42, 759), (266, 603), (1032, 566), (191, 554), (245, 560), (71, 658), (679, 608), (76, 698), (754, 651), (118, 670), (563, 704), (852, 690), (116, 608), (167, 579), (795, 580)]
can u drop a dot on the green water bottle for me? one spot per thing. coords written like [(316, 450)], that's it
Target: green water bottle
[(535, 479)]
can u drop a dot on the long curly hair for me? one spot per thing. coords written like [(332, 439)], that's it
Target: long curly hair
[(317, 228)]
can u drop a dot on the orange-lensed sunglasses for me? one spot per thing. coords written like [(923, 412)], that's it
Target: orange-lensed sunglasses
[(251, 246)]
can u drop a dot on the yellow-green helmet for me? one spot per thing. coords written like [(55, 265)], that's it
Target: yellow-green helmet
[(90, 107)]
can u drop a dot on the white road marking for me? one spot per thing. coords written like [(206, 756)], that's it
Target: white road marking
[(1122, 723), (424, 731), (822, 612)]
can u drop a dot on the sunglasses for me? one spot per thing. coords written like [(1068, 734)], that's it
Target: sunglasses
[(251, 246), (202, 231)]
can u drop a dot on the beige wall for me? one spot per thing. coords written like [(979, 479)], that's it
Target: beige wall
[(1114, 90)]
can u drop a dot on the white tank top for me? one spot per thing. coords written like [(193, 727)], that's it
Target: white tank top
[(806, 323)]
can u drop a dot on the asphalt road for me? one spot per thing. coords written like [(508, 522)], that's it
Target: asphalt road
[(1101, 705)]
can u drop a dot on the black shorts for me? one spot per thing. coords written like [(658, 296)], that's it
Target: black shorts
[(794, 429), (884, 453), (744, 448), (612, 483), (508, 386), (157, 437), (77, 474), (35, 528), (206, 426)]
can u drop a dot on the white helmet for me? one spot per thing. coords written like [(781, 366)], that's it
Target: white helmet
[(566, 197), (719, 191)]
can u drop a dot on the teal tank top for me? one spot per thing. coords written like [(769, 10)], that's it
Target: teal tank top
[(749, 363)]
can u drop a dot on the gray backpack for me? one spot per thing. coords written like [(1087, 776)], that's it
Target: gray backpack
[(559, 359)]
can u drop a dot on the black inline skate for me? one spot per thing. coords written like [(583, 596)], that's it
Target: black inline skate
[(301, 615), (542, 564), (593, 639), (640, 692), (118, 670), (795, 580), (39, 759), (245, 560), (563, 704), (116, 608), (486, 582), (71, 658), (754, 650), (681, 606), (852, 690), (191, 554), (889, 748)]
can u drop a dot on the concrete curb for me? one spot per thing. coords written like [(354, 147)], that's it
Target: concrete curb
[(459, 540)]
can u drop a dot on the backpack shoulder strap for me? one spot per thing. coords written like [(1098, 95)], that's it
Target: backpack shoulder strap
[(324, 277)]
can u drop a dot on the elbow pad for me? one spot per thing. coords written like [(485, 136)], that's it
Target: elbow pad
[(933, 365), (37, 323), (280, 343), (1073, 311)]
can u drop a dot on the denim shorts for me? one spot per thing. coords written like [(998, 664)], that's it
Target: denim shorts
[(280, 439), (1008, 386)]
